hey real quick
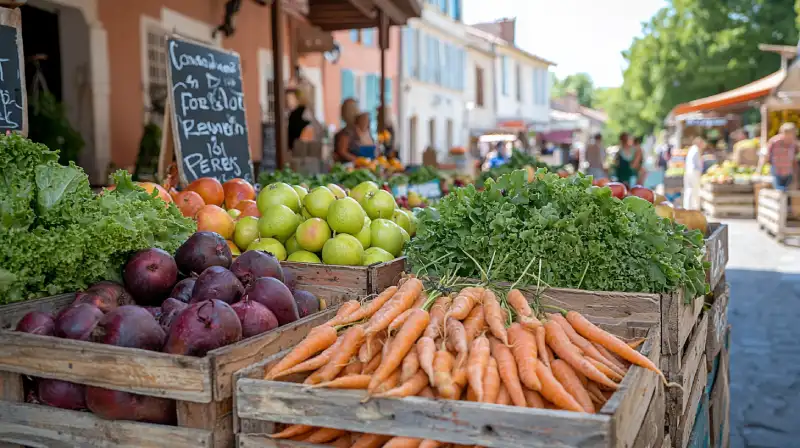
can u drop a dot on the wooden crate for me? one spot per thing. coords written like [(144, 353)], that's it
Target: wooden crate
[(700, 436), (341, 283), (720, 404), (728, 200), (774, 214), (259, 404), (717, 320), (716, 245), (201, 386)]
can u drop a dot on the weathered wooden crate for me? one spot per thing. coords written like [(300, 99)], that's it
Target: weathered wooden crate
[(340, 283), (716, 252), (717, 304), (700, 436), (728, 200), (775, 215), (202, 387), (261, 404), (720, 404), (721, 189)]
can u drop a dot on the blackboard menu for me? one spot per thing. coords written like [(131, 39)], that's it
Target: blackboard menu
[(268, 148), (208, 116), (13, 116)]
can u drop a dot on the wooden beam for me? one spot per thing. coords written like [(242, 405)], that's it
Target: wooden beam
[(281, 140), (365, 7), (395, 15)]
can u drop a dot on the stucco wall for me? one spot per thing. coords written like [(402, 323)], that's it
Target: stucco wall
[(480, 117)]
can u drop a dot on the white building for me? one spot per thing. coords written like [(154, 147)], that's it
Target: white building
[(480, 81), (433, 108)]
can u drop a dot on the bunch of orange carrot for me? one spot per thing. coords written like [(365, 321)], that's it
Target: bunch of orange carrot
[(466, 346)]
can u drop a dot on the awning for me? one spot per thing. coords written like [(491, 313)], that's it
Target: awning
[(741, 95), (787, 94), (338, 15), (557, 137)]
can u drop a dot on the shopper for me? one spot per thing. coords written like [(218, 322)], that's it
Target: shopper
[(592, 158), (628, 161), (692, 173), (345, 147), (781, 155)]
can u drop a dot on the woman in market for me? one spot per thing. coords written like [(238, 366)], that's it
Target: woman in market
[(346, 142), (363, 131), (628, 161), (781, 155), (692, 174)]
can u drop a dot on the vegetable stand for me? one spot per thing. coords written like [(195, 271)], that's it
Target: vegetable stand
[(201, 386), (728, 200)]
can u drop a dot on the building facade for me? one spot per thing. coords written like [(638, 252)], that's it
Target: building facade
[(480, 81), (433, 112)]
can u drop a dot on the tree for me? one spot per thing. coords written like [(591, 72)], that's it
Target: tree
[(695, 48), (579, 83)]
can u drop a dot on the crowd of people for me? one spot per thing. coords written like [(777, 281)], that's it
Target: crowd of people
[(625, 165)]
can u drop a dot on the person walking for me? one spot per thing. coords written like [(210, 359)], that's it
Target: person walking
[(693, 171), (592, 158), (628, 160), (781, 155)]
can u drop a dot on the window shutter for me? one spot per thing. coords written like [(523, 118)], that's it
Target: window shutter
[(348, 85), (354, 35), (388, 84)]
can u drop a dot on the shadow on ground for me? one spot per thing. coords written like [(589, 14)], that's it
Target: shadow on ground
[(764, 314)]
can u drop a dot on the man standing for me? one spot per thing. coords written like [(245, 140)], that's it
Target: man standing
[(692, 173), (781, 153), (592, 158)]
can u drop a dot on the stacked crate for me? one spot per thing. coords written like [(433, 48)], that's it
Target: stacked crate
[(728, 200)]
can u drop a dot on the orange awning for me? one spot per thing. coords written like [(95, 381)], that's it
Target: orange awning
[(753, 91)]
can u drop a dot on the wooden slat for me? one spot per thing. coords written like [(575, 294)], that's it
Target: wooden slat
[(255, 441), (450, 421), (384, 275), (125, 369), (720, 406), (652, 429), (728, 188), (335, 284), (215, 417), (634, 395), (36, 425), (716, 247), (667, 442), (680, 432), (677, 321), (717, 320), (690, 367), (12, 313)]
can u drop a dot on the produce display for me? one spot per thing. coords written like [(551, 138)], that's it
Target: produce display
[(56, 235), (216, 302), (579, 236), (338, 175), (518, 160), (729, 172), (478, 344)]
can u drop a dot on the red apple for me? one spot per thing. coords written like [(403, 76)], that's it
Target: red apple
[(644, 193), (618, 189), (602, 182)]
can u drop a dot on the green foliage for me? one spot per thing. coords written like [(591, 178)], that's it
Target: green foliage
[(338, 175), (695, 48), (423, 174), (582, 236), (56, 235), (518, 160), (579, 83), (149, 150), (48, 125)]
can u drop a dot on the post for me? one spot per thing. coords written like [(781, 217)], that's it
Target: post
[(281, 140), (383, 43)]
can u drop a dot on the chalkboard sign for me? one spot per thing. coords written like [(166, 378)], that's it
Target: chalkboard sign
[(13, 100), (209, 123), (269, 148)]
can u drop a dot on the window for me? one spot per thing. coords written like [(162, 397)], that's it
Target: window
[(504, 75), (461, 68), (519, 82), (449, 134), (541, 81), (354, 35), (348, 84), (478, 87), (389, 93), (432, 133), (156, 74), (455, 9), (437, 60), (368, 37)]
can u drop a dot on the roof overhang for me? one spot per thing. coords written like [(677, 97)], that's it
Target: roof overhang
[(339, 15), (739, 97), (787, 94)]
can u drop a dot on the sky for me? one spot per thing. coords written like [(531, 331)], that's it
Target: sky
[(578, 35)]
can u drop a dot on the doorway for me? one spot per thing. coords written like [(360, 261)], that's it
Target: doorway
[(432, 133), (412, 140)]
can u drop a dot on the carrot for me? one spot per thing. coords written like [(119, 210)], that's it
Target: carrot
[(402, 300), (596, 393), (634, 344), (479, 353), (456, 336), (400, 320), (403, 442), (589, 350), (427, 443), (369, 308), (491, 382), (475, 323), (354, 368), (352, 339), (401, 345), (443, 378), (541, 346), (507, 367), (409, 388), (388, 384), (464, 302), (344, 311), (360, 381), (503, 397), (620, 364), (291, 431), (559, 342), (343, 442), (493, 314), (427, 392), (371, 347), (593, 333), (410, 366), (554, 392), (531, 323), (318, 339), (372, 365), (519, 303), (523, 347), (323, 435), (533, 398), (371, 441), (438, 311), (314, 363), (572, 384), (426, 349), (460, 370), (607, 371)]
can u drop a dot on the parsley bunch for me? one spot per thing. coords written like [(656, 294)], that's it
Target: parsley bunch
[(582, 236)]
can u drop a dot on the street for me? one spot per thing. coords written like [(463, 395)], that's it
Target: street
[(764, 315)]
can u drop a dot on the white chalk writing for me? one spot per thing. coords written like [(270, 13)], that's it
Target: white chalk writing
[(208, 61), (8, 103)]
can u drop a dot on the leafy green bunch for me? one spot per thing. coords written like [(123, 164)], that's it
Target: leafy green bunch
[(421, 175), (338, 175), (518, 160), (56, 235), (578, 236)]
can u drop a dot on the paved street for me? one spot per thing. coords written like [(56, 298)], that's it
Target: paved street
[(765, 348)]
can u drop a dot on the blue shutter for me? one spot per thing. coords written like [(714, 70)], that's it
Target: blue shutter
[(348, 85), (373, 100), (504, 74), (354, 35), (368, 37), (388, 84)]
